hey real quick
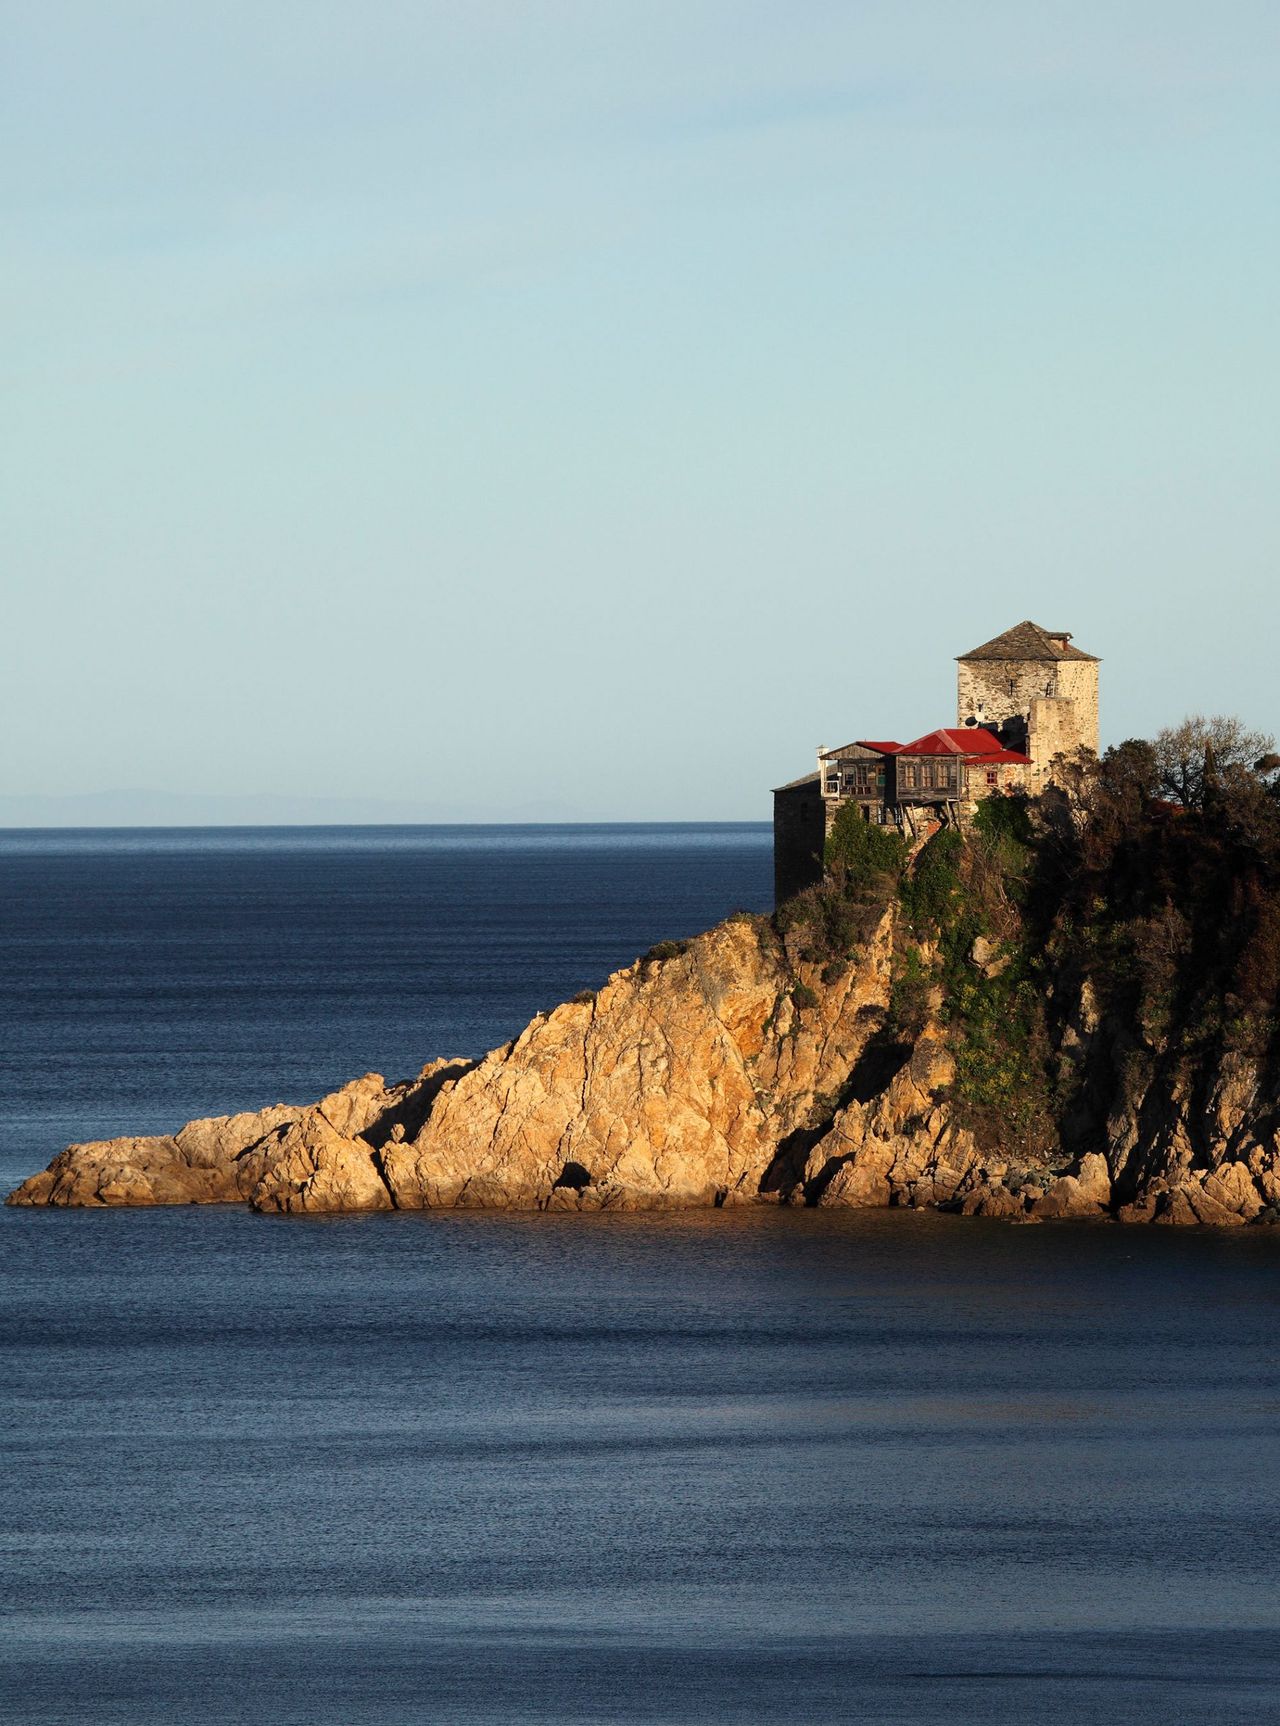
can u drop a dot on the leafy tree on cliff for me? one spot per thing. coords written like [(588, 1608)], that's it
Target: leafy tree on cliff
[(863, 858), (1191, 756)]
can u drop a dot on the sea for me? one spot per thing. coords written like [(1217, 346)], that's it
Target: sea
[(755, 1466)]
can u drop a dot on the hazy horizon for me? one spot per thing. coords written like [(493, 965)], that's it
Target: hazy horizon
[(141, 809), (476, 408)]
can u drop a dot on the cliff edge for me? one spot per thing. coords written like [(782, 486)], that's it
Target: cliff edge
[(1068, 1011), (672, 1085)]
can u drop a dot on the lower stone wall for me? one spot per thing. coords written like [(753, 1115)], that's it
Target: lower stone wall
[(799, 835), (1055, 729)]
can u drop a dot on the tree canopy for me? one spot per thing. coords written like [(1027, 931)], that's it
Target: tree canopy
[(1188, 756)]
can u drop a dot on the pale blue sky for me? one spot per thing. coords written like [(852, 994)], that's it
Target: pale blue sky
[(585, 409)]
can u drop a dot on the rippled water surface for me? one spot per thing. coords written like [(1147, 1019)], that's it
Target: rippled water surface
[(746, 1467)]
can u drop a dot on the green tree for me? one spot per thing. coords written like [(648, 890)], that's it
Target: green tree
[(863, 858), (1190, 757)]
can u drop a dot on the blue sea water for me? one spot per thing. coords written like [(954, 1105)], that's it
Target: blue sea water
[(724, 1467)]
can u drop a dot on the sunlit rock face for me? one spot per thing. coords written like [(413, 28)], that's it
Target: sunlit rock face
[(727, 1070)]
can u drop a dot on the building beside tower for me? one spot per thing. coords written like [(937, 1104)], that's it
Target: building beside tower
[(1026, 701)]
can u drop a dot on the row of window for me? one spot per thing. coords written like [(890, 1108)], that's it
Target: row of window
[(857, 782), (928, 776), (912, 776)]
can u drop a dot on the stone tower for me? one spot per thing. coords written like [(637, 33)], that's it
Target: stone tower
[(1036, 690)]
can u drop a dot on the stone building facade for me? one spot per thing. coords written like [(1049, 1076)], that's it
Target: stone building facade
[(1037, 692), (1025, 700)]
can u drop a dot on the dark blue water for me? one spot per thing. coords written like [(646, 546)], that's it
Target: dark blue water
[(726, 1467), (152, 976)]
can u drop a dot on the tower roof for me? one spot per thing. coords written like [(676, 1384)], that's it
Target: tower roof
[(1028, 641)]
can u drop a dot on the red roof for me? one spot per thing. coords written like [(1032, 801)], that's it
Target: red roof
[(973, 742), (959, 740), (1001, 757)]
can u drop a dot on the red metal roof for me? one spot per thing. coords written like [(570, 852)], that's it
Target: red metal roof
[(972, 742), (956, 740)]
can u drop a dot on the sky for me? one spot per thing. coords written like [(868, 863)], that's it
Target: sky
[(582, 410)]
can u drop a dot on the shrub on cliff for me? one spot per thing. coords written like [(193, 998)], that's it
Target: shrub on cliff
[(825, 922), (829, 921), (863, 858), (963, 900)]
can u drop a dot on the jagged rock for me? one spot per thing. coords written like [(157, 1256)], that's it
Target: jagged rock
[(673, 1086), (199, 1165), (988, 958), (993, 1200), (902, 1147), (310, 1166), (1143, 1209), (286, 1157), (724, 1073), (1231, 1186), (1087, 1193)]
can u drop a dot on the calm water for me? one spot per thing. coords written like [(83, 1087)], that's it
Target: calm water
[(718, 1468)]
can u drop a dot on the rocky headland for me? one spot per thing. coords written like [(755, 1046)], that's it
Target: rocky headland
[(1069, 1010)]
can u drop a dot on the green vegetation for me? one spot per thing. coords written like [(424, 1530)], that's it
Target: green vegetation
[(664, 950), (910, 993), (1158, 918), (964, 946), (1140, 900), (863, 858), (827, 923), (831, 921), (1171, 910), (1189, 758)]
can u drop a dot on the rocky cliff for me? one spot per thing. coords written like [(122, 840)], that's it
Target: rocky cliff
[(759, 1064), (673, 1085)]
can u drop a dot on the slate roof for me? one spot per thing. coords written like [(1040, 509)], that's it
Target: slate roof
[(1028, 641), (795, 784)]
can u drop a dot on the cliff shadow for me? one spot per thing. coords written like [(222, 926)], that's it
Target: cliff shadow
[(883, 1057), (410, 1113)]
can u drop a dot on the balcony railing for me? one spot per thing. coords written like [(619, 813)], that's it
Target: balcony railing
[(853, 785)]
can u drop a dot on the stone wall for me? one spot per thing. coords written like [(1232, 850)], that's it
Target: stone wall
[(1009, 776), (1054, 729), (1078, 682), (799, 835), (1058, 700), (993, 690)]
